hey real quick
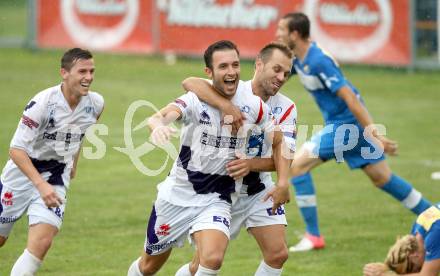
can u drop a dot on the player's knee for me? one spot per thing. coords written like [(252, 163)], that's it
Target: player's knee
[(379, 178), (147, 268), (2, 240), (298, 170), (212, 260), (277, 258)]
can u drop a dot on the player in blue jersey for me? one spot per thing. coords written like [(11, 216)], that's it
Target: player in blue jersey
[(415, 254), (349, 133)]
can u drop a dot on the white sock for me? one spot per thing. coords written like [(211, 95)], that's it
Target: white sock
[(134, 269), (26, 264), (266, 270), (183, 271), (203, 271)]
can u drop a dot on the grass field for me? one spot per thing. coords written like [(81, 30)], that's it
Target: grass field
[(110, 200)]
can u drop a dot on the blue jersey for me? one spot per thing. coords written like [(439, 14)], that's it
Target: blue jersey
[(428, 225), (321, 76)]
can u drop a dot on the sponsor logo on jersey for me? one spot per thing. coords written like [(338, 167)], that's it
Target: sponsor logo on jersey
[(221, 219), (7, 199), (8, 219), (221, 141), (278, 212), (164, 230), (204, 118), (157, 247), (30, 105), (29, 122)]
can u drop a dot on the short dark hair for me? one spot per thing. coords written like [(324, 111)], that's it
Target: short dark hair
[(298, 21), (218, 46), (71, 56), (266, 52)]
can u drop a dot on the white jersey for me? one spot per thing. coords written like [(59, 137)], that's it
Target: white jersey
[(199, 175), (51, 133), (284, 113)]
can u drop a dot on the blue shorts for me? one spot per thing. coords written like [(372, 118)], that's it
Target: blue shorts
[(345, 142)]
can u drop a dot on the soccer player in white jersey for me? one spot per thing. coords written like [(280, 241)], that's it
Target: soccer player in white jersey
[(196, 197), (264, 219), (43, 156)]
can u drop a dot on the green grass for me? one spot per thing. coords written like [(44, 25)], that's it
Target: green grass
[(13, 18), (110, 200)]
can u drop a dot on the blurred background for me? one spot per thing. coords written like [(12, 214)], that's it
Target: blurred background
[(403, 33)]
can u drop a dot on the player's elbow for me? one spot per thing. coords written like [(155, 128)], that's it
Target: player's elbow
[(15, 152), (186, 83)]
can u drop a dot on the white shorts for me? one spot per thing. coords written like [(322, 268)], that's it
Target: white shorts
[(169, 224), (251, 211), (15, 202)]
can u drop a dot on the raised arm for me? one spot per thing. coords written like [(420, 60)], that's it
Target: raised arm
[(207, 93), (364, 118)]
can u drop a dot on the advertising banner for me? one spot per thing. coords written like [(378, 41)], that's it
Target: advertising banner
[(362, 31), (189, 26), (111, 25), (356, 31)]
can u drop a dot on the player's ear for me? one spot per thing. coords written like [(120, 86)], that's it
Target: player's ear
[(208, 72), (64, 73), (259, 64)]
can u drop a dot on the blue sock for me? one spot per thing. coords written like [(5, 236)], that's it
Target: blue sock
[(401, 190), (306, 201)]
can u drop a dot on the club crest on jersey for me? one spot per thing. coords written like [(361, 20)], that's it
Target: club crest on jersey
[(204, 118), (7, 199), (277, 110), (29, 105), (164, 230), (245, 109), (89, 109)]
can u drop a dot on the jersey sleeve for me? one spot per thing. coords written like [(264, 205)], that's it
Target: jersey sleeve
[(30, 123), (287, 124), (98, 102), (186, 103), (329, 74), (432, 245)]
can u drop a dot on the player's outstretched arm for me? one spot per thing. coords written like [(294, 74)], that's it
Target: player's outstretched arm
[(207, 93), (364, 118), (161, 132), (24, 163)]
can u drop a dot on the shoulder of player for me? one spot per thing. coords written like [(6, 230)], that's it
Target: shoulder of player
[(43, 98)]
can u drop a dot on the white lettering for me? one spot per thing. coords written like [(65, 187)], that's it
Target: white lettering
[(205, 13), (341, 14)]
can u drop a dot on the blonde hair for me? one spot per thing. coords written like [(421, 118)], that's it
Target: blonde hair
[(398, 256)]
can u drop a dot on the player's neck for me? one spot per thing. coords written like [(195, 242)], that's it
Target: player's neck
[(72, 99), (301, 48), (258, 90)]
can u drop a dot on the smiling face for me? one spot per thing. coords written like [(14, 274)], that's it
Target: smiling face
[(273, 73), (225, 72), (77, 79)]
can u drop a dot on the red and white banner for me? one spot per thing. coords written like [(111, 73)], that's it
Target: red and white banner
[(114, 25), (363, 31), (359, 31)]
